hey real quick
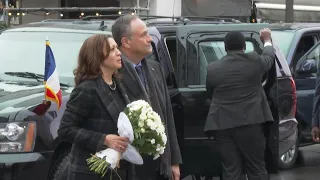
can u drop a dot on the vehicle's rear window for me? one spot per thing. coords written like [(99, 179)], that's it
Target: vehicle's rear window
[(213, 51), (283, 40)]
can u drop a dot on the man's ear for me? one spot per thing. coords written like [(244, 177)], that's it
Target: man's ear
[(244, 46), (125, 42)]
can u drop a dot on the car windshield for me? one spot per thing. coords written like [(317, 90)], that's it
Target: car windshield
[(23, 54), (283, 40)]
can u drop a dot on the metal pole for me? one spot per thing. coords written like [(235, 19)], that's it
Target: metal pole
[(138, 6), (289, 11)]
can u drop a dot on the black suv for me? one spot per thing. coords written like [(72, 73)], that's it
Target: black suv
[(30, 147)]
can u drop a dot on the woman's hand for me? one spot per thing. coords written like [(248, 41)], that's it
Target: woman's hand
[(116, 142)]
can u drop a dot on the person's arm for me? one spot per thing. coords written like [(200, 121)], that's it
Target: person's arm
[(78, 109), (268, 55)]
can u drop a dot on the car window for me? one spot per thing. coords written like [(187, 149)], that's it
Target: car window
[(213, 51), (283, 40), (25, 52), (163, 62)]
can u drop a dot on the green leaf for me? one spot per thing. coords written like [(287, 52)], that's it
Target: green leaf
[(141, 141)]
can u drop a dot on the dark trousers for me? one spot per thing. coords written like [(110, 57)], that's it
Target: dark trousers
[(147, 171), (242, 152)]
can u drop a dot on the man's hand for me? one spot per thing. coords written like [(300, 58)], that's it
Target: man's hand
[(175, 172), (265, 35), (315, 134)]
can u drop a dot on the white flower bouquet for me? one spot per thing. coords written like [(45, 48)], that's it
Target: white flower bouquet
[(145, 131)]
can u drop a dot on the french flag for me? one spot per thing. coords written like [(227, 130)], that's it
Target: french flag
[(51, 79)]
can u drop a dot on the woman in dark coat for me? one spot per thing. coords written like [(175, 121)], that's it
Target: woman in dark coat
[(90, 118)]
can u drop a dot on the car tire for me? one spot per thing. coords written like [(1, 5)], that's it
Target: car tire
[(288, 159), (59, 169)]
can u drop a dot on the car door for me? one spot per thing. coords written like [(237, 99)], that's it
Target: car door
[(197, 46), (305, 79)]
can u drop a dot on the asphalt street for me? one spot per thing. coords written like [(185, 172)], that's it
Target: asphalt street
[(307, 168)]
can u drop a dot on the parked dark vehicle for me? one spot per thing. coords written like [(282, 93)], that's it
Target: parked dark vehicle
[(183, 48), (300, 45)]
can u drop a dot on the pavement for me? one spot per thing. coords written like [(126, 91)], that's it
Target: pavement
[(307, 167)]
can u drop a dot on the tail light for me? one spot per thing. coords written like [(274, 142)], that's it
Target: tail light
[(294, 97), (42, 108)]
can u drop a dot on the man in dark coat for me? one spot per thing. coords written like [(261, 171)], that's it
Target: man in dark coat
[(145, 80), (239, 107)]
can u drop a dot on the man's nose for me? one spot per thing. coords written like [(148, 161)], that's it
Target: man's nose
[(149, 38)]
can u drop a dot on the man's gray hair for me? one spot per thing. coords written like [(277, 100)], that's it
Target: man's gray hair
[(122, 27)]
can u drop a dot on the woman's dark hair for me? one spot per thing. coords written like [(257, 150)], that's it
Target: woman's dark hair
[(90, 57)]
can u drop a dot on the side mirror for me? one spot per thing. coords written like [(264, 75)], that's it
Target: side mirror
[(307, 67)]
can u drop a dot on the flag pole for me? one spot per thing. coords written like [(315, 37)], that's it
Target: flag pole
[(45, 94)]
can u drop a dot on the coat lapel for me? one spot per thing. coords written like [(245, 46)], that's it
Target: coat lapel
[(107, 100), (128, 78), (131, 79), (149, 77)]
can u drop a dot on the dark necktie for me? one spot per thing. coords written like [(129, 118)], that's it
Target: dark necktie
[(141, 75)]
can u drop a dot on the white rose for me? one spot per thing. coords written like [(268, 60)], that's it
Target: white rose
[(150, 115), (164, 138), (160, 129), (156, 156), (134, 108), (141, 124), (142, 103), (161, 150), (153, 126), (143, 116), (157, 118), (149, 122), (142, 130), (153, 141)]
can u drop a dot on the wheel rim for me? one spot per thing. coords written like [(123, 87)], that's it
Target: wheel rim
[(289, 155)]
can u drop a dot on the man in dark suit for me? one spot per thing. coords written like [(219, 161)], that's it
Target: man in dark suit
[(316, 112), (145, 80), (239, 106)]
